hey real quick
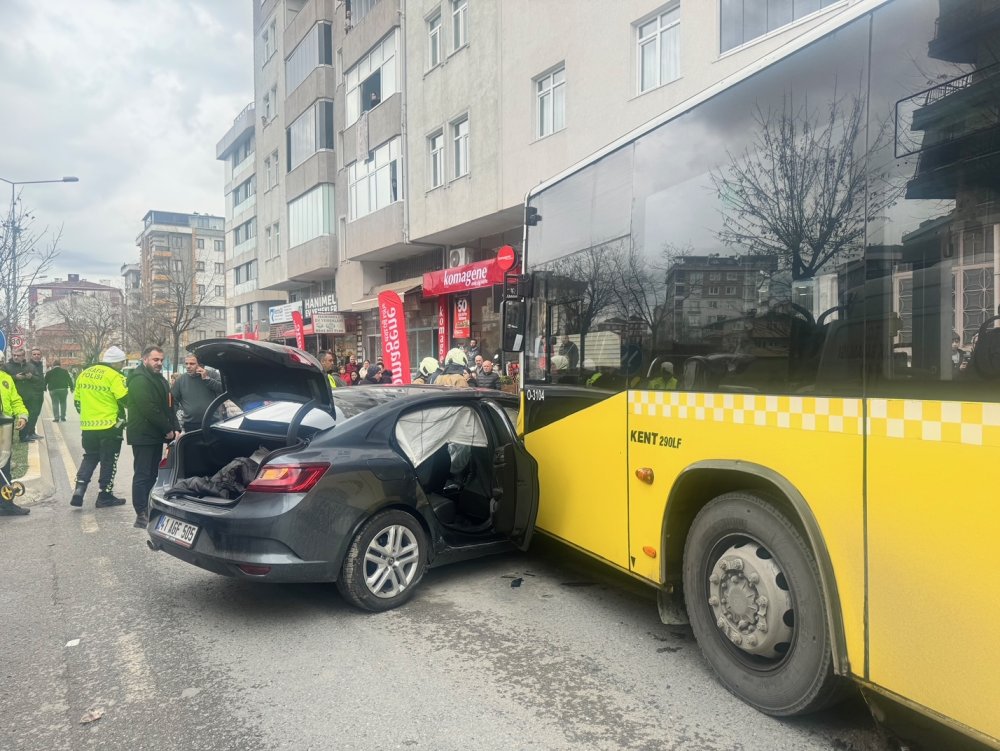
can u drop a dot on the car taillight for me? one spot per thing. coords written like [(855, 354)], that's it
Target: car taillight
[(287, 478), (165, 461)]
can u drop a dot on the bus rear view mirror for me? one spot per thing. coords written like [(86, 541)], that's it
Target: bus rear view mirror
[(514, 319)]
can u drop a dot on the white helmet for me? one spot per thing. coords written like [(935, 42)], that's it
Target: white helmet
[(457, 356), (428, 365)]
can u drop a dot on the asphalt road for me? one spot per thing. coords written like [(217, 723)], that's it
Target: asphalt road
[(538, 651)]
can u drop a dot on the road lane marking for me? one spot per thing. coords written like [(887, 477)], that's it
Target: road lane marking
[(88, 523)]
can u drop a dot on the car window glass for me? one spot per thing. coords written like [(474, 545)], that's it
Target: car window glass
[(504, 421), (423, 431)]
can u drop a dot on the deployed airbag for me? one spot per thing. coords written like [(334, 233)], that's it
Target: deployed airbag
[(422, 432)]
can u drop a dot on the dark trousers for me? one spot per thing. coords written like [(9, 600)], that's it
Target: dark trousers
[(34, 404), (145, 465), (100, 447), (58, 397)]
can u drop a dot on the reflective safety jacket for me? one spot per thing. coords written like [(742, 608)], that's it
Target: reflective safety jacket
[(99, 397), (11, 402)]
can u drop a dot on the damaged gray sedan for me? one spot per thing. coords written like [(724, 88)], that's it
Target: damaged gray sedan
[(365, 486)]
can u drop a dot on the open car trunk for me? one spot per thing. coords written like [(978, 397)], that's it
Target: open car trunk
[(236, 447)]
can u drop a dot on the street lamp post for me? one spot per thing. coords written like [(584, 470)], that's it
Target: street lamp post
[(13, 230)]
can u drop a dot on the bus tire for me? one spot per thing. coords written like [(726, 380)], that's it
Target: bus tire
[(755, 601)]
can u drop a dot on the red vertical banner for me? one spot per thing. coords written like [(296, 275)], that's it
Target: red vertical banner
[(442, 327), (300, 331), (395, 349), (463, 317)]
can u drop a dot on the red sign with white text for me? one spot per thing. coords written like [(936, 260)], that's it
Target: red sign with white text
[(463, 278), (506, 258), (300, 333), (395, 350), (442, 328), (462, 317)]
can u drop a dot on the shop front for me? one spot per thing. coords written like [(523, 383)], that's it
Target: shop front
[(323, 326)]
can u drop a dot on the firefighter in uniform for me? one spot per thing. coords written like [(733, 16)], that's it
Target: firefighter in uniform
[(100, 399)]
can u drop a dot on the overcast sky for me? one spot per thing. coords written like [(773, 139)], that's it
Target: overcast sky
[(131, 96)]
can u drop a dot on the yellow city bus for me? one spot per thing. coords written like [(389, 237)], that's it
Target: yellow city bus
[(796, 436)]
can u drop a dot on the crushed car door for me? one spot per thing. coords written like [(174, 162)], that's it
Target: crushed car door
[(515, 475)]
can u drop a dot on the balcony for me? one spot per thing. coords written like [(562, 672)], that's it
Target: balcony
[(243, 167), (247, 246), (242, 207)]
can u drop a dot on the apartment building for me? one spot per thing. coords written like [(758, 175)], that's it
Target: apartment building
[(398, 138), (61, 309), (247, 303), (182, 264)]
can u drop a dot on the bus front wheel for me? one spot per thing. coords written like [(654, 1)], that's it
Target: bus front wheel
[(756, 606)]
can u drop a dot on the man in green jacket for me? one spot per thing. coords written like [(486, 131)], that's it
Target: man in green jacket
[(11, 404), (151, 423), (100, 399)]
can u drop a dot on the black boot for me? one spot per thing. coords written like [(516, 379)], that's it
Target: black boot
[(106, 498), (9, 508), (78, 493)]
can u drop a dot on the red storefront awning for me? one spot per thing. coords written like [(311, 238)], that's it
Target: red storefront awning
[(463, 278)]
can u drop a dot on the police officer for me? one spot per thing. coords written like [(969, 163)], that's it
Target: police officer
[(100, 399), (11, 404)]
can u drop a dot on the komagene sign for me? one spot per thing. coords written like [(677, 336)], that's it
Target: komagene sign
[(463, 278)]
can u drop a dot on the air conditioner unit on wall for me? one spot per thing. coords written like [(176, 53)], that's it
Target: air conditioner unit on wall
[(457, 257)]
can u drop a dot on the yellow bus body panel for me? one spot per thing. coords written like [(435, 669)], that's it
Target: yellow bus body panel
[(814, 443), (583, 494), (933, 521)]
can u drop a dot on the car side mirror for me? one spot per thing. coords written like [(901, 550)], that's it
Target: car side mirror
[(515, 315)]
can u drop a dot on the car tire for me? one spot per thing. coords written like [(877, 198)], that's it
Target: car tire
[(755, 601), (385, 562)]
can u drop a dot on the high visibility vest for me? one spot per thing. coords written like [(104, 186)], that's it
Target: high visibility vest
[(97, 392)]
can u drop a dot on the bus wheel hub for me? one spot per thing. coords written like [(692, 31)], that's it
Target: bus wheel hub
[(751, 602)]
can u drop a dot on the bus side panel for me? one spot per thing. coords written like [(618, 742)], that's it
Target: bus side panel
[(581, 478), (933, 519), (814, 443)]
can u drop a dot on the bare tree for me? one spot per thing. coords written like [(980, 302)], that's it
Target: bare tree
[(26, 254), (144, 327), (802, 190), (93, 321), (640, 287), (180, 305)]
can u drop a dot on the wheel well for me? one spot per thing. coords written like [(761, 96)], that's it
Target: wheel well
[(700, 483), (693, 490)]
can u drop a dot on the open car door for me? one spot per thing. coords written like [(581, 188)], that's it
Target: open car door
[(516, 479)]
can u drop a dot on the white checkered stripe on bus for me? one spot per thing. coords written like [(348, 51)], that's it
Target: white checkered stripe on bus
[(975, 424)]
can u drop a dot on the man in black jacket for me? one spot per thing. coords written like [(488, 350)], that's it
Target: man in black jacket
[(30, 380), (151, 423), (59, 383)]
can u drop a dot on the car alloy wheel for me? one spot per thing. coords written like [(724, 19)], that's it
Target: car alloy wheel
[(385, 561)]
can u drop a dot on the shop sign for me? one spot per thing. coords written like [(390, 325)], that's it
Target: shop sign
[(328, 323), (283, 313), (395, 348), (442, 327), (321, 303), (463, 278), (462, 317), (300, 332)]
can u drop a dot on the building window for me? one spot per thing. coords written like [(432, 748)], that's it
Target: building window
[(243, 191), (175, 241), (200, 266), (713, 290), (312, 131), (372, 80), (315, 49), (269, 38), (201, 243), (459, 23), (742, 21), (269, 104), (659, 49), (434, 41), (244, 232), (732, 276), (435, 144), (460, 144), (375, 181), (730, 291), (178, 265), (201, 292), (220, 290), (273, 236), (220, 245), (243, 151), (310, 215), (220, 268), (550, 101), (271, 170)]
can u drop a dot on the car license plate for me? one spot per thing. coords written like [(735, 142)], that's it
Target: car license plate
[(174, 529)]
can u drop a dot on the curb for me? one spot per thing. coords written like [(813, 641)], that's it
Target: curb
[(38, 483)]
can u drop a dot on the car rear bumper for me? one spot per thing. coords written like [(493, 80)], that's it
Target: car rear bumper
[(244, 534)]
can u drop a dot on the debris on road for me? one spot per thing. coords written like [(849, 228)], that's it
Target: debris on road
[(92, 715)]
